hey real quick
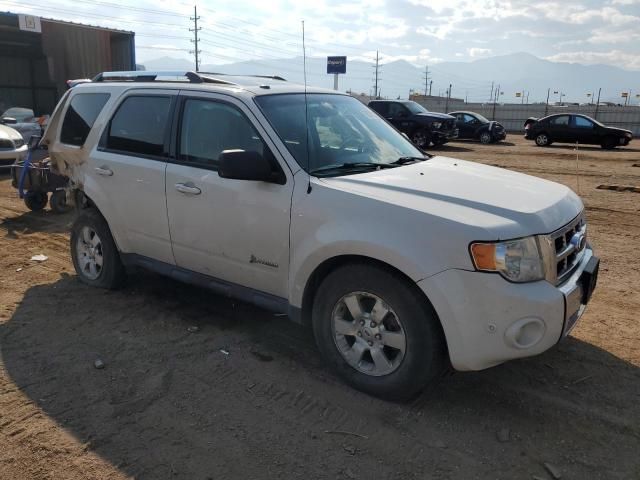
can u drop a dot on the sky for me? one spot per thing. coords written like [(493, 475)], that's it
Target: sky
[(419, 31)]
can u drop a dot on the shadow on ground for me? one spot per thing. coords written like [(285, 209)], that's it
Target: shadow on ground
[(247, 396)]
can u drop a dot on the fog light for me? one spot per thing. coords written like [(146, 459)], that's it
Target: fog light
[(525, 333)]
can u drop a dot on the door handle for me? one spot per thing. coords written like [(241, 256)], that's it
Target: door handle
[(105, 171), (188, 188)]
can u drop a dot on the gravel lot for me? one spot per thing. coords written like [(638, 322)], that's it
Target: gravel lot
[(245, 394)]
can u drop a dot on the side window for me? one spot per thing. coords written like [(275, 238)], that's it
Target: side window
[(381, 107), (139, 126), (209, 128), (80, 117), (397, 110), (468, 118), (562, 120), (582, 122)]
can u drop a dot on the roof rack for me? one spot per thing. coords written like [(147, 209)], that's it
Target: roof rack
[(174, 76)]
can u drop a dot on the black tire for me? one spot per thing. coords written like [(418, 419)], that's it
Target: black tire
[(542, 139), (111, 274), (609, 143), (421, 138), (36, 201), (486, 138), (58, 202), (425, 357)]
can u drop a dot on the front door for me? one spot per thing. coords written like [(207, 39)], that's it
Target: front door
[(233, 230), (584, 130)]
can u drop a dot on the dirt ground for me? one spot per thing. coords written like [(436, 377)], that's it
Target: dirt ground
[(247, 395)]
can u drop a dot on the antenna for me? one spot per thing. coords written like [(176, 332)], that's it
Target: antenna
[(306, 108)]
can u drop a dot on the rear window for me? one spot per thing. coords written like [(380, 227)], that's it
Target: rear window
[(80, 117), (139, 126)]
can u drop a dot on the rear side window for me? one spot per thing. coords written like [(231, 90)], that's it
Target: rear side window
[(81, 114), (381, 107), (562, 120), (139, 126)]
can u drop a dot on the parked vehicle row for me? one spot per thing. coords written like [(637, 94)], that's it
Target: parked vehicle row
[(304, 201)]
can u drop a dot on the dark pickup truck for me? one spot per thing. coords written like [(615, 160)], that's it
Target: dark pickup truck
[(423, 127)]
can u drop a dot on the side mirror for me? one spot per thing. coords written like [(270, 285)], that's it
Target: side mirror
[(8, 121), (243, 165)]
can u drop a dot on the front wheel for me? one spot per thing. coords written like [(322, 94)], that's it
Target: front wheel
[(377, 332), (58, 202), (485, 138), (421, 138), (94, 253)]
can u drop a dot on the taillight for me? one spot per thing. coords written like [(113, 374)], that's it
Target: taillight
[(527, 126)]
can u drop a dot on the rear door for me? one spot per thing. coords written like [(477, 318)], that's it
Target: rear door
[(126, 173), (560, 129), (233, 230)]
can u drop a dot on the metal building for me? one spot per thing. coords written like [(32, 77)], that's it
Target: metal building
[(38, 55)]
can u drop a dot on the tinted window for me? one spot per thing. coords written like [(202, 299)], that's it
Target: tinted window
[(80, 116), (381, 107), (209, 128), (582, 122), (139, 126), (397, 109), (561, 120), (469, 119)]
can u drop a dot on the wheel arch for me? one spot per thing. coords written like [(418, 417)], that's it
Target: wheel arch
[(330, 264)]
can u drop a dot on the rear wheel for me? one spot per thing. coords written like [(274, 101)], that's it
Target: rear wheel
[(609, 143), (93, 251), (35, 200), (543, 140), (421, 138), (485, 138), (377, 332)]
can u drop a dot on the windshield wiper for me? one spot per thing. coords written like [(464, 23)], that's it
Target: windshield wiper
[(405, 160), (351, 166)]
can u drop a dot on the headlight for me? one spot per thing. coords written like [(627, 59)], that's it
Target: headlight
[(436, 125), (516, 260)]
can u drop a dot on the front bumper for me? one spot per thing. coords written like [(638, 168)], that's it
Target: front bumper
[(445, 134), (13, 155), (488, 320)]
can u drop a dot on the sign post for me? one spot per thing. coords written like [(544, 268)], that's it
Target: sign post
[(336, 66)]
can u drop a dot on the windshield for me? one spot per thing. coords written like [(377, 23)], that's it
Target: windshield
[(341, 130), (20, 114), (415, 107)]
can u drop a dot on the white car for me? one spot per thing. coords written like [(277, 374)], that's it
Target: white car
[(12, 146), (22, 120), (306, 202)]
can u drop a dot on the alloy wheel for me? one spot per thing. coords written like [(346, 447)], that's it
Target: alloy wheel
[(89, 253)]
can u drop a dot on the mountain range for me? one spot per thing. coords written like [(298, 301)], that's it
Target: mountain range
[(476, 80)]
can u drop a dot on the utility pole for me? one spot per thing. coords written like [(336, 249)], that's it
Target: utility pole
[(375, 88), (522, 97), (446, 106), (491, 94), (595, 115), (430, 85), (426, 80), (495, 101), (546, 105), (528, 98), (195, 31)]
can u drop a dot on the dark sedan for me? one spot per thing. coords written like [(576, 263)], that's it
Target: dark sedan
[(474, 126), (574, 128)]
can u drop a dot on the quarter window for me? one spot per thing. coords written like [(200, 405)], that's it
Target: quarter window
[(562, 120), (139, 126), (80, 117), (209, 128), (582, 122)]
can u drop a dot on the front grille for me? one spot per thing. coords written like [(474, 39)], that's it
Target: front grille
[(448, 125), (569, 243)]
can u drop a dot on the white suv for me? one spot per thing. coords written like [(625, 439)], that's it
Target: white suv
[(308, 203)]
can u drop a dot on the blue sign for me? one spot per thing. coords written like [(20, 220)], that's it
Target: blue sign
[(336, 64)]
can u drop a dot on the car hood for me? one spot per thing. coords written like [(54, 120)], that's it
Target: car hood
[(9, 133), (443, 116), (502, 204), (620, 131)]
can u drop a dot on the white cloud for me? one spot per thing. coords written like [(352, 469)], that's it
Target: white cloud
[(616, 58), (478, 52)]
